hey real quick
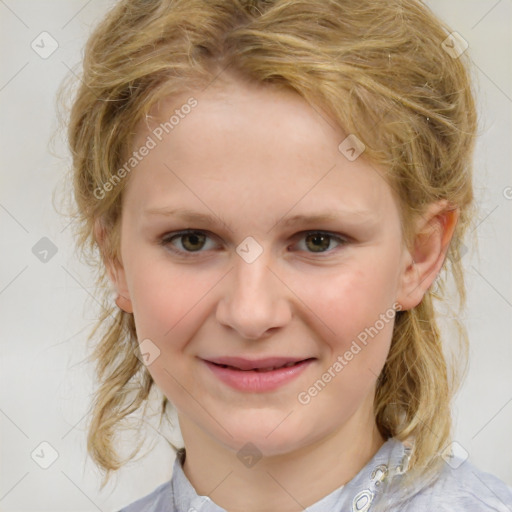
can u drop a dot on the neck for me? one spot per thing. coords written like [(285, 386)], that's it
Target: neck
[(290, 481)]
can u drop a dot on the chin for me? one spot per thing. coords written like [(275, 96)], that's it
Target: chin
[(266, 441)]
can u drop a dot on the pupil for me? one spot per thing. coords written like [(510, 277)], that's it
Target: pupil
[(324, 239), (193, 237)]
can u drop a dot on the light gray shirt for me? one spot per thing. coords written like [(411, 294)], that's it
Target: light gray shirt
[(458, 486)]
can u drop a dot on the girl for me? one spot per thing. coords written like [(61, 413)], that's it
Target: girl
[(278, 191)]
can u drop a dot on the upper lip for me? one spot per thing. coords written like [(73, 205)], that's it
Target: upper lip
[(249, 364)]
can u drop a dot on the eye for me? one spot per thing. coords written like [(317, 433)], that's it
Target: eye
[(192, 241), (320, 241)]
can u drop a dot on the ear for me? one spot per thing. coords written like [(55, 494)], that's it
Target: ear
[(114, 268), (433, 233)]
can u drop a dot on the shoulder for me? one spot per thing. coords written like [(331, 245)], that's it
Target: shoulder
[(463, 487), (158, 500)]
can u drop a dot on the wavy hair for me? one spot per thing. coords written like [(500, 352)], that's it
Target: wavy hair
[(381, 69)]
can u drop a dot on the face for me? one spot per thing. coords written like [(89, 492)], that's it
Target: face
[(258, 279)]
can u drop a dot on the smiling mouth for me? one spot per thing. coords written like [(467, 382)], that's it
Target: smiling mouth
[(263, 370), (257, 376)]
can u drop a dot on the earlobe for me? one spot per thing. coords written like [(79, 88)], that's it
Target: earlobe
[(115, 270), (124, 303), (434, 232), (117, 276)]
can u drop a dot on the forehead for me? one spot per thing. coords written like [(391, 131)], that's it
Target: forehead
[(250, 150)]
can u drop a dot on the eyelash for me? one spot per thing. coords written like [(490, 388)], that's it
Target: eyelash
[(167, 239)]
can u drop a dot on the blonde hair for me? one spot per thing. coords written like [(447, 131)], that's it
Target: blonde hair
[(383, 72)]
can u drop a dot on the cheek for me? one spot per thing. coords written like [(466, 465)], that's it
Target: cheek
[(166, 301), (355, 321), (354, 314), (353, 298), (168, 311)]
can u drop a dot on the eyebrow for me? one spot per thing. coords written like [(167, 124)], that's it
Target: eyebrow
[(192, 216)]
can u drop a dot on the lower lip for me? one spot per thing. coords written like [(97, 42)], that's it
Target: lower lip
[(253, 381)]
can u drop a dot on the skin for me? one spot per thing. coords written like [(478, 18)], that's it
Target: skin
[(253, 156)]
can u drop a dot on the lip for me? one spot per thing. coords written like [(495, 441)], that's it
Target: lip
[(253, 380), (242, 363)]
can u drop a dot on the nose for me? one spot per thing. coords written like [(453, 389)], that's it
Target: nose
[(254, 299)]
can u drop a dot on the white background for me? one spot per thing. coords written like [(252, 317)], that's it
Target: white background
[(46, 309)]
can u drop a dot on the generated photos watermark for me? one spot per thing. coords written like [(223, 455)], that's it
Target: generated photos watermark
[(305, 397), (144, 150)]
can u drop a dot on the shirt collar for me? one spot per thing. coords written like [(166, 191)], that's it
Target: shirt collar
[(357, 495)]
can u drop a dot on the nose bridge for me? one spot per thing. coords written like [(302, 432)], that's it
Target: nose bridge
[(251, 303), (252, 276)]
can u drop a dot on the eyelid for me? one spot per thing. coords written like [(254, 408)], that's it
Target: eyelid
[(167, 238)]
